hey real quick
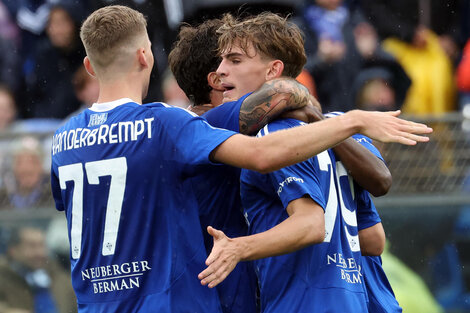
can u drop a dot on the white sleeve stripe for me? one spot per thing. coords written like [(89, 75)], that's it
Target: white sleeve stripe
[(333, 114)]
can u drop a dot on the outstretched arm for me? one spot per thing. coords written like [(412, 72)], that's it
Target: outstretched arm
[(368, 171), (271, 100), (287, 147), (304, 226)]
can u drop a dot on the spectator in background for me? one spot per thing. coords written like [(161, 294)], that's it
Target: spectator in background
[(7, 123), (463, 78), (26, 185), (57, 240), (8, 28), (340, 45), (7, 108), (307, 80), (86, 89), (376, 95), (59, 56), (380, 86), (10, 72), (31, 17), (29, 280), (411, 20), (424, 37)]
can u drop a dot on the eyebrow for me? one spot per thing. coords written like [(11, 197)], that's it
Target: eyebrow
[(231, 55)]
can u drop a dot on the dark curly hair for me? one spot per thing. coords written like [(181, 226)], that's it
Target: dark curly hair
[(194, 55)]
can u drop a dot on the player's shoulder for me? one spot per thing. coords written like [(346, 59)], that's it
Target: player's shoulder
[(230, 105), (166, 109), (73, 122), (224, 109)]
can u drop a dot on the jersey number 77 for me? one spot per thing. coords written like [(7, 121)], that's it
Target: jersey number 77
[(117, 169)]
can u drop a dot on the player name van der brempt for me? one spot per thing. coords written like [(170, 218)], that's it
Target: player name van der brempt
[(105, 134)]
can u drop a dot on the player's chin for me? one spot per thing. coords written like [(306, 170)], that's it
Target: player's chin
[(225, 99)]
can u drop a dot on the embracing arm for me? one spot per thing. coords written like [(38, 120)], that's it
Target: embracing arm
[(271, 100), (366, 168), (304, 226), (290, 146), (372, 240)]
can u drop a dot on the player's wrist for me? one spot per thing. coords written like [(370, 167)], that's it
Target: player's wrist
[(353, 121), (243, 248)]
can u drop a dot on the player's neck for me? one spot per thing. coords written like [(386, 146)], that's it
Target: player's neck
[(216, 97), (117, 90)]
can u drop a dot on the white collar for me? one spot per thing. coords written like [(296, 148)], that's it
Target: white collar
[(106, 106)]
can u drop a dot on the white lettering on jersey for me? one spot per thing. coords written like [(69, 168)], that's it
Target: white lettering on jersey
[(97, 119), (116, 276), (105, 134), (287, 181), (349, 270)]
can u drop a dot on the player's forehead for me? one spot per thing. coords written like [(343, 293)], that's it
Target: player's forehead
[(239, 48)]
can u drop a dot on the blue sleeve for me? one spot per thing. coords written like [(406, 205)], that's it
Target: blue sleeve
[(56, 192), (193, 138), (363, 140), (226, 115), (294, 182), (367, 215), (367, 143)]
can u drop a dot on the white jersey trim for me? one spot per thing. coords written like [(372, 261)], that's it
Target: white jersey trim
[(106, 106)]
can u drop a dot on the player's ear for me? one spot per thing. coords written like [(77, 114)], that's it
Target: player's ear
[(275, 69), (88, 66), (142, 57), (214, 81)]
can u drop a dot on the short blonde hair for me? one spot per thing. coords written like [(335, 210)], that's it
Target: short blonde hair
[(109, 31), (270, 34)]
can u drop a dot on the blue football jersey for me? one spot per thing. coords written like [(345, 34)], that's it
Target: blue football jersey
[(119, 171), (320, 278), (218, 195), (367, 215), (226, 115)]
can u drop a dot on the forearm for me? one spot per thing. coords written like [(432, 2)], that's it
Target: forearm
[(292, 234), (271, 100), (366, 169), (285, 147), (372, 240), (304, 226), (290, 146)]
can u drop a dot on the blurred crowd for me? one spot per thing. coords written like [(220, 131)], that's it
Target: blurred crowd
[(412, 55), (371, 54)]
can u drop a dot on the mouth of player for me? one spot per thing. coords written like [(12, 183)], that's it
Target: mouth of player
[(228, 89)]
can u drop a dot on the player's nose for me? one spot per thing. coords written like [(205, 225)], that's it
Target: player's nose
[(222, 69)]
